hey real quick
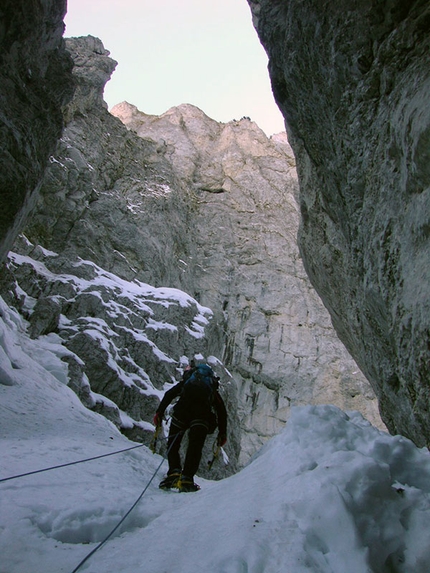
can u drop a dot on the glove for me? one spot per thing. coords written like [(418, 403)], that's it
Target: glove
[(221, 440), (158, 418)]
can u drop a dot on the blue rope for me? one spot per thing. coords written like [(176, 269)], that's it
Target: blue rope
[(97, 458), (129, 511), (70, 463), (120, 522)]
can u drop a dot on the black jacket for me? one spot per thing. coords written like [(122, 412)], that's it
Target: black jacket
[(186, 410)]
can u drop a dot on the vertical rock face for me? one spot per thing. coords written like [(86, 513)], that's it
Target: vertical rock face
[(183, 201), (277, 341), (353, 82), (35, 81)]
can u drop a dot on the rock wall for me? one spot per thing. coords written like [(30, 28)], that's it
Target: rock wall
[(278, 341), (353, 82), (183, 201), (35, 82), (124, 342)]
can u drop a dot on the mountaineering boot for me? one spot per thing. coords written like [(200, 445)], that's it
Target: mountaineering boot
[(186, 484), (171, 480)]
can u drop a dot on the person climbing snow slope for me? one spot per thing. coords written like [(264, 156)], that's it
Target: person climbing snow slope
[(198, 397)]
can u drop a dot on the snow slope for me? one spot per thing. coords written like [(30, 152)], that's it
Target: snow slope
[(330, 494)]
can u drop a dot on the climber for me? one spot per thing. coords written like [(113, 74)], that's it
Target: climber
[(198, 394)]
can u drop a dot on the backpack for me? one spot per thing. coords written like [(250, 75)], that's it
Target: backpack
[(201, 385)]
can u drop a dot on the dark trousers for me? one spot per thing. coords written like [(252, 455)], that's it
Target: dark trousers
[(197, 432)]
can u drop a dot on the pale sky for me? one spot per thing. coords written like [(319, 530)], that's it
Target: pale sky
[(169, 52)]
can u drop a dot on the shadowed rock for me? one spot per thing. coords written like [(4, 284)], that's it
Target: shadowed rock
[(35, 82), (353, 82)]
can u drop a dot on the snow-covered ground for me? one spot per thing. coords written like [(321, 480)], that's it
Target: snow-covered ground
[(330, 494)]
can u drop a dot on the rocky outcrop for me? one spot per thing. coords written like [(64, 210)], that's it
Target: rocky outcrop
[(107, 192), (92, 69), (183, 201), (353, 82), (35, 82), (123, 341)]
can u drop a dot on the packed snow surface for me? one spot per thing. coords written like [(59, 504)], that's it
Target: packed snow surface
[(330, 494)]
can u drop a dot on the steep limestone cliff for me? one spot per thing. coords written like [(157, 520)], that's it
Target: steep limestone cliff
[(189, 203), (353, 82), (278, 340), (209, 208), (35, 81)]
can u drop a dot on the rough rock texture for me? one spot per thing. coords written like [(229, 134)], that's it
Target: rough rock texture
[(98, 180), (278, 340), (210, 209), (122, 341), (353, 82), (35, 81)]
